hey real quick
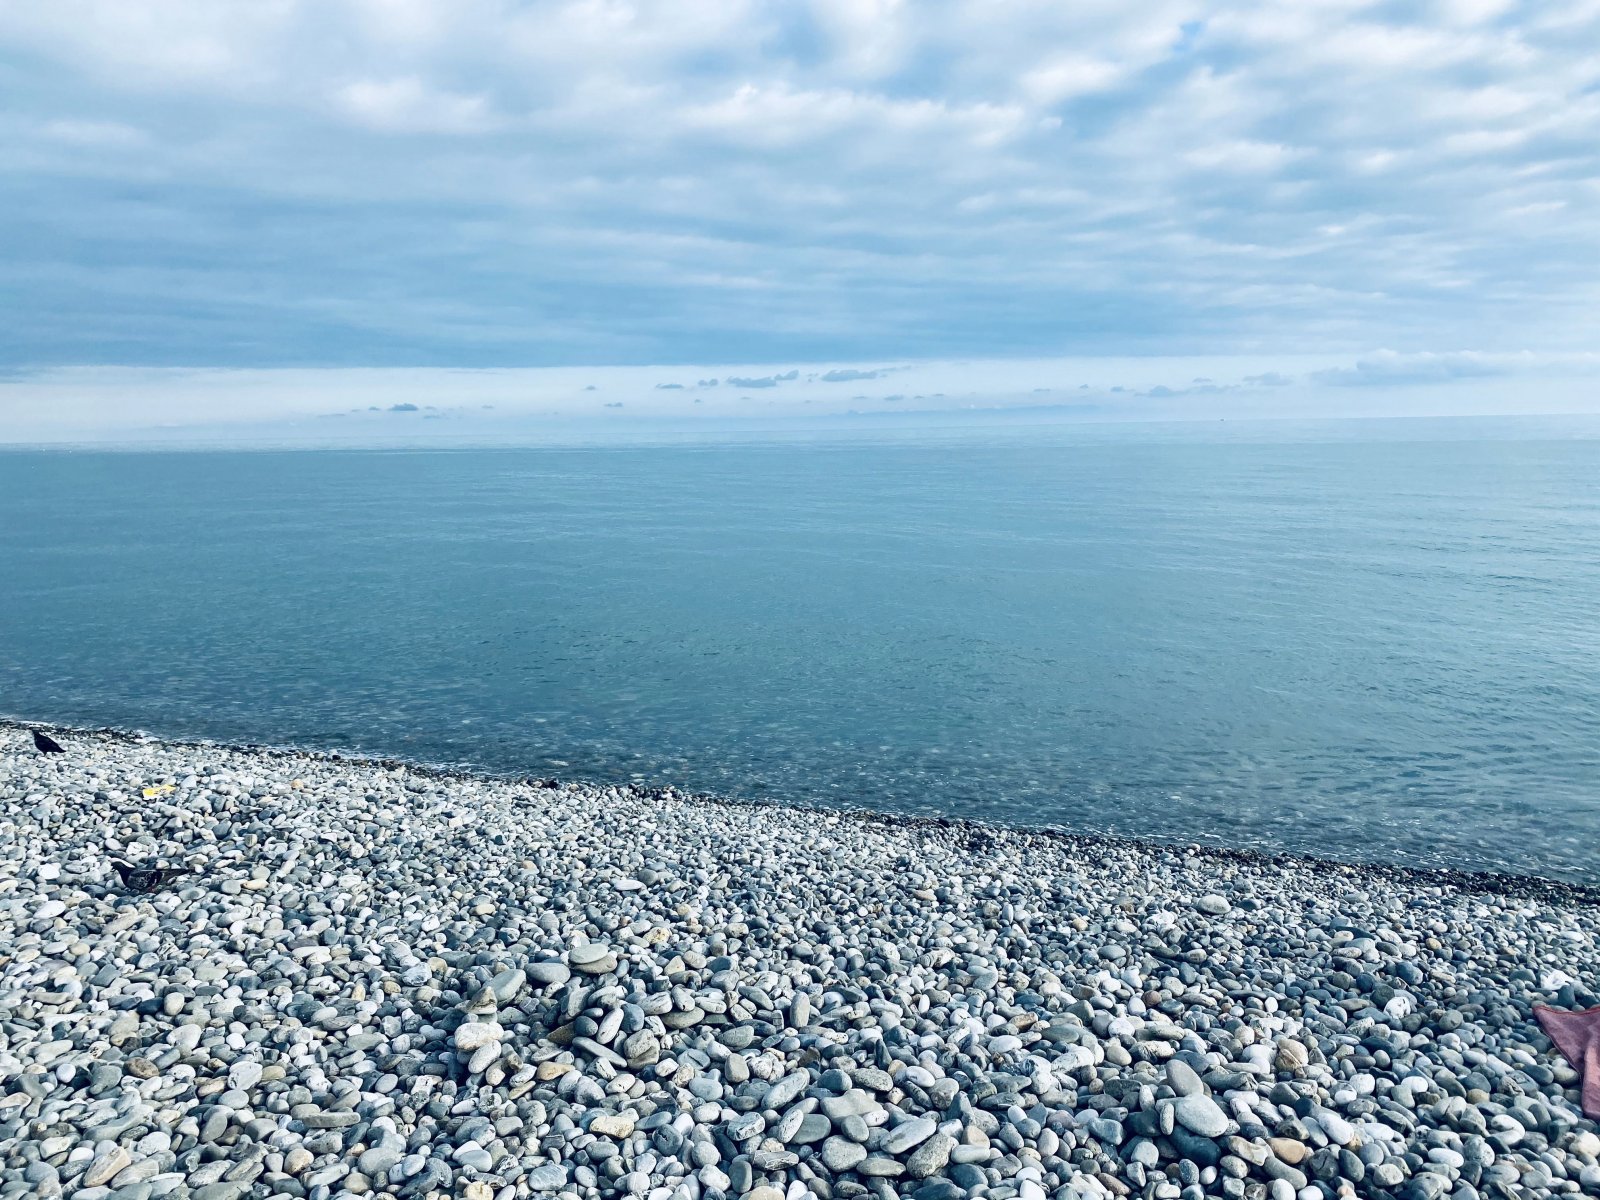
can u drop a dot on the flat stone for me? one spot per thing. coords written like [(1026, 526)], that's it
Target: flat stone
[(548, 1177), (871, 1078), (1290, 1055), (841, 1154), (329, 1120), (880, 1166), (613, 1125), (930, 1157), (814, 1128), (508, 984), (854, 1103), (1340, 1132), (1201, 1115), (773, 1160), (105, 1165), (1288, 1150), (548, 973), (787, 1089), (592, 958), (473, 1035), (1182, 1078), (908, 1134)]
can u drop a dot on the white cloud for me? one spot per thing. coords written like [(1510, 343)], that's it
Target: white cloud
[(105, 134), (408, 105), (123, 405), (1241, 154), (472, 180), (155, 44), (1388, 368), (870, 38), (1069, 76)]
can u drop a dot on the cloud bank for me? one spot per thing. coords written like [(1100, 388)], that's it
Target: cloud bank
[(222, 406), (489, 182)]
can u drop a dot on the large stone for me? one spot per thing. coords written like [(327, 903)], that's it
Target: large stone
[(1201, 1114), (473, 1035), (549, 974), (1182, 1078), (841, 1154), (930, 1157), (908, 1134), (786, 1089), (613, 1125), (104, 1166)]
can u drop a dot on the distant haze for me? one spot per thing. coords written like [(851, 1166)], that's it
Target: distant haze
[(421, 405)]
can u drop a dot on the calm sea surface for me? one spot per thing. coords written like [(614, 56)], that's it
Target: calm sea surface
[(1363, 640)]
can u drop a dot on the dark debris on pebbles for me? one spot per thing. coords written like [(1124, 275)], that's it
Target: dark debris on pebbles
[(389, 982)]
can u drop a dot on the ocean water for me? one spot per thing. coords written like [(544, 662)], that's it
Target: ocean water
[(1363, 640)]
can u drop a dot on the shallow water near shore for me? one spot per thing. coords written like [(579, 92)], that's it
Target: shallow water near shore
[(1361, 640)]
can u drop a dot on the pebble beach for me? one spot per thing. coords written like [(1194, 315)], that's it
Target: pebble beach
[(380, 980)]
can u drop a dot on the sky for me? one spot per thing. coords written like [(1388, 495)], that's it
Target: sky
[(237, 211)]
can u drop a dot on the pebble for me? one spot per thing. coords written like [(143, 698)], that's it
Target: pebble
[(1200, 1114), (1182, 1079), (840, 1154), (389, 982), (930, 1156), (474, 1035), (105, 1164), (903, 1137), (1291, 1056), (548, 974), (244, 1074), (615, 1125)]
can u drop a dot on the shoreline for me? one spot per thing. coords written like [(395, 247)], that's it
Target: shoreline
[(1502, 883), (390, 981)]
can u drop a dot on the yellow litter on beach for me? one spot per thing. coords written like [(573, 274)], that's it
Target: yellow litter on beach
[(160, 789)]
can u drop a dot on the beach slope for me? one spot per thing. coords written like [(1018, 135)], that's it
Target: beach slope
[(380, 980)]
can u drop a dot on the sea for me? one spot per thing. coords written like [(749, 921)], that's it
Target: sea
[(1361, 640)]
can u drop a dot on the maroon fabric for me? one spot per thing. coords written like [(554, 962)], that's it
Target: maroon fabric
[(1577, 1035)]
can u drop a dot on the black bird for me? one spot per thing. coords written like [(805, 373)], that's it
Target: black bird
[(46, 744), (146, 879)]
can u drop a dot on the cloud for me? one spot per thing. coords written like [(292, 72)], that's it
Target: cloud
[(1198, 388), (1388, 368), (1392, 368), (849, 374), (476, 182), (762, 381), (408, 105), (669, 387), (1269, 379), (98, 134), (403, 408), (1069, 77)]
